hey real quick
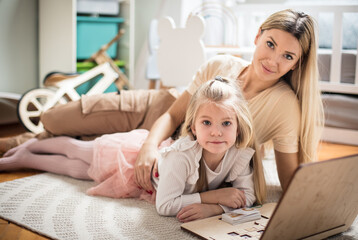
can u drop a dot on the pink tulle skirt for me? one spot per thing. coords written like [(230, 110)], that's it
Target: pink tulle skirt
[(113, 165)]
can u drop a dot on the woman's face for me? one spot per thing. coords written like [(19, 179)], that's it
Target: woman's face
[(277, 52)]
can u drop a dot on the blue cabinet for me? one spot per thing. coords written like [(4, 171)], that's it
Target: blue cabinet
[(94, 32)]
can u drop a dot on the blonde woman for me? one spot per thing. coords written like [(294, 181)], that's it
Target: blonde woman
[(280, 85), (214, 149)]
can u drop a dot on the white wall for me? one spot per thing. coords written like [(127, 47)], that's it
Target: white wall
[(18, 45), (57, 36)]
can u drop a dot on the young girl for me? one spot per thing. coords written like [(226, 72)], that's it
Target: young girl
[(214, 148)]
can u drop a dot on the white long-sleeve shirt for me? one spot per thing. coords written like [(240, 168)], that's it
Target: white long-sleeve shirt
[(178, 174)]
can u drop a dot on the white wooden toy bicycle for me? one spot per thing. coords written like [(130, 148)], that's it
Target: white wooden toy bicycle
[(62, 88)]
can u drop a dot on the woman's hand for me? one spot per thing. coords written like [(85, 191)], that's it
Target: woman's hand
[(147, 159), (198, 211), (230, 197)]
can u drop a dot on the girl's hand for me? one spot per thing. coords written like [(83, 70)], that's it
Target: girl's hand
[(198, 211), (231, 197), (146, 160)]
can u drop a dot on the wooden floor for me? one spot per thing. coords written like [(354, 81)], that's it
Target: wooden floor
[(10, 231)]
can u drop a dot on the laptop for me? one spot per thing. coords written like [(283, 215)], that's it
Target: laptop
[(321, 200)]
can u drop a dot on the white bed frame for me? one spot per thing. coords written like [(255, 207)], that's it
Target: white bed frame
[(250, 16)]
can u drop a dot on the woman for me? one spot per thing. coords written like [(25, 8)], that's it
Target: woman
[(280, 85)]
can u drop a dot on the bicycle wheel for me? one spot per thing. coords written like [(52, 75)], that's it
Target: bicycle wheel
[(31, 105)]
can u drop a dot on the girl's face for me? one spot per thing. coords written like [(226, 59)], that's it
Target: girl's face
[(215, 129), (277, 52)]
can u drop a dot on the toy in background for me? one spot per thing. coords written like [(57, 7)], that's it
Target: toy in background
[(187, 44), (61, 87), (101, 57), (179, 52)]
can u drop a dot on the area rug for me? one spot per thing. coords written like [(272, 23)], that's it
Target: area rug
[(58, 207)]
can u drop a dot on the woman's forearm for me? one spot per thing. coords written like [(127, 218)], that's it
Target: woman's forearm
[(162, 128), (165, 126), (286, 165)]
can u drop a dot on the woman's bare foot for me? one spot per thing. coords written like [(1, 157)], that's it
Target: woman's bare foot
[(6, 144), (24, 145), (10, 142), (15, 161)]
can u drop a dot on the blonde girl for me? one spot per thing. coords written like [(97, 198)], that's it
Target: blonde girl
[(215, 100)]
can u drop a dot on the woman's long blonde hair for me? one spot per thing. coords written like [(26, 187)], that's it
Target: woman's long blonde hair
[(304, 78), (225, 93)]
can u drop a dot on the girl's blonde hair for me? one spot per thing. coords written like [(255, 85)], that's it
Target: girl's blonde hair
[(225, 93), (304, 78)]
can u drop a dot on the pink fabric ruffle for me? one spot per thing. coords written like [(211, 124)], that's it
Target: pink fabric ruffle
[(113, 165)]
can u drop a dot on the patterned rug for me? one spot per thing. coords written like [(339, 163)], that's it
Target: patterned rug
[(58, 207)]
